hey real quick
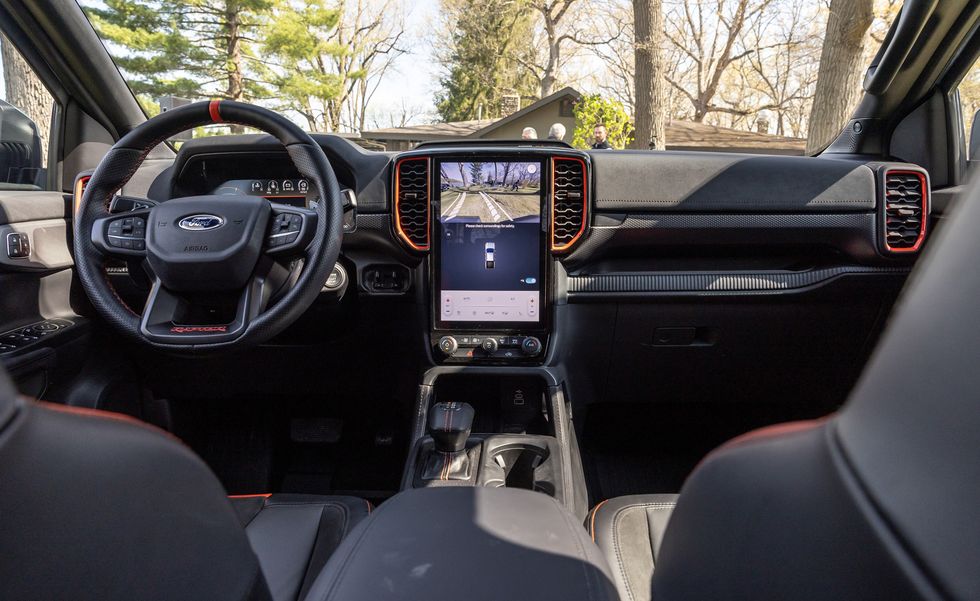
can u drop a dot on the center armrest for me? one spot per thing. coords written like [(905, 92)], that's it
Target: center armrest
[(468, 542)]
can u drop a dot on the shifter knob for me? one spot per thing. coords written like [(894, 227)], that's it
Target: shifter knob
[(449, 426)]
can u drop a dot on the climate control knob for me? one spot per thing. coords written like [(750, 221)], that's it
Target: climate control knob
[(490, 345), (448, 345), (531, 346)]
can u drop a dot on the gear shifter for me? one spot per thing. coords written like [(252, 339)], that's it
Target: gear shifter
[(449, 427)]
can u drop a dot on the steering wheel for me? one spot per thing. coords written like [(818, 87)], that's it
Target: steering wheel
[(197, 249)]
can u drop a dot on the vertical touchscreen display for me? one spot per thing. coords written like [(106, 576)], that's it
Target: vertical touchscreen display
[(490, 241)]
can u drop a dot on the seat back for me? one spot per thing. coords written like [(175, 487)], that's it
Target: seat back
[(882, 500), (95, 505)]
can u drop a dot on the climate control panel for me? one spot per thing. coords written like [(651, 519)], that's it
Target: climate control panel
[(487, 348)]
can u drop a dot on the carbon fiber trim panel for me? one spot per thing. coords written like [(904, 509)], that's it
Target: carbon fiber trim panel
[(763, 281), (374, 221), (743, 221)]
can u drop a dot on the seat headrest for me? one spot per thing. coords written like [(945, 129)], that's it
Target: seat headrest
[(911, 430)]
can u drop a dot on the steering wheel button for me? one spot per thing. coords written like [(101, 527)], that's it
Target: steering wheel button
[(139, 245)]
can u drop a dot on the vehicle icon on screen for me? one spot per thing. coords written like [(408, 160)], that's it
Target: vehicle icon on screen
[(489, 248)]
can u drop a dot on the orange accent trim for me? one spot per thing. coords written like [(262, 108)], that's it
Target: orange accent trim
[(214, 108), (368, 505), (264, 495), (585, 204), (80, 184), (595, 510), (428, 203), (106, 415), (925, 210), (765, 433)]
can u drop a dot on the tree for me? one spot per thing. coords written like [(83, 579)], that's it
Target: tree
[(839, 78), (188, 48), (709, 46), (25, 91), (782, 69), (299, 40), (483, 40), (593, 110), (552, 13), (372, 34), (650, 117), (330, 57)]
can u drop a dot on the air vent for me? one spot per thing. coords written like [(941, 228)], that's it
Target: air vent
[(412, 201), (569, 202), (906, 210)]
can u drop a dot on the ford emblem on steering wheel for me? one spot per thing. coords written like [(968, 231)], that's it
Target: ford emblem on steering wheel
[(200, 223)]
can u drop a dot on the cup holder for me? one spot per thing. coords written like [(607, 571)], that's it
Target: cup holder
[(518, 464)]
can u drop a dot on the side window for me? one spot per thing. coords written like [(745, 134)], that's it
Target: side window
[(969, 90), (25, 122)]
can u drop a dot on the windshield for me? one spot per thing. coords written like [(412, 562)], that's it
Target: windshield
[(767, 76)]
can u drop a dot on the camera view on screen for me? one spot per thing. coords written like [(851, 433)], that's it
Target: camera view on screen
[(491, 192), (490, 229)]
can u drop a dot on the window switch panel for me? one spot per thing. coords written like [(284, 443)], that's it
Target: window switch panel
[(18, 245)]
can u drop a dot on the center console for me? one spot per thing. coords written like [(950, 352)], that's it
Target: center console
[(496, 427), (472, 543), (491, 222)]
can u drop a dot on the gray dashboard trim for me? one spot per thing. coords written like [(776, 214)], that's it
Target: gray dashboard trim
[(852, 233), (714, 282), (703, 182)]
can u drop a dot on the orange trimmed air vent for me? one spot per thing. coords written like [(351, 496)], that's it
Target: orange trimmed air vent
[(569, 202), (412, 201), (906, 210)]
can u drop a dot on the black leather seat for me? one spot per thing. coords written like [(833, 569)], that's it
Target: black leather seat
[(96, 505), (879, 501), (629, 531), (294, 535)]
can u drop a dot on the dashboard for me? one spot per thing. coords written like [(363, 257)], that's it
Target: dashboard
[(492, 240)]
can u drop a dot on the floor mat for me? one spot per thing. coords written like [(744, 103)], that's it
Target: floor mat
[(300, 446)]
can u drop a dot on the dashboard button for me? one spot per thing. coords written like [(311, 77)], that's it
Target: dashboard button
[(531, 346), (448, 345), (490, 345)]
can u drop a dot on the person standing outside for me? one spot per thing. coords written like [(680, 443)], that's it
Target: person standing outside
[(557, 132), (601, 137), (529, 133)]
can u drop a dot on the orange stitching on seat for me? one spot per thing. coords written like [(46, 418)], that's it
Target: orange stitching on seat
[(107, 415), (264, 495), (595, 510)]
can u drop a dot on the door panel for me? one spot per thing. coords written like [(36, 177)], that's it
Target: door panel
[(41, 335)]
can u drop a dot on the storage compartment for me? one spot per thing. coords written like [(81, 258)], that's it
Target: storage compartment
[(528, 462), (502, 403), (503, 543), (518, 463)]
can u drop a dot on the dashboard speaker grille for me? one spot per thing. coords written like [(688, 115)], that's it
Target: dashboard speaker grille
[(906, 210), (569, 202), (412, 201)]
